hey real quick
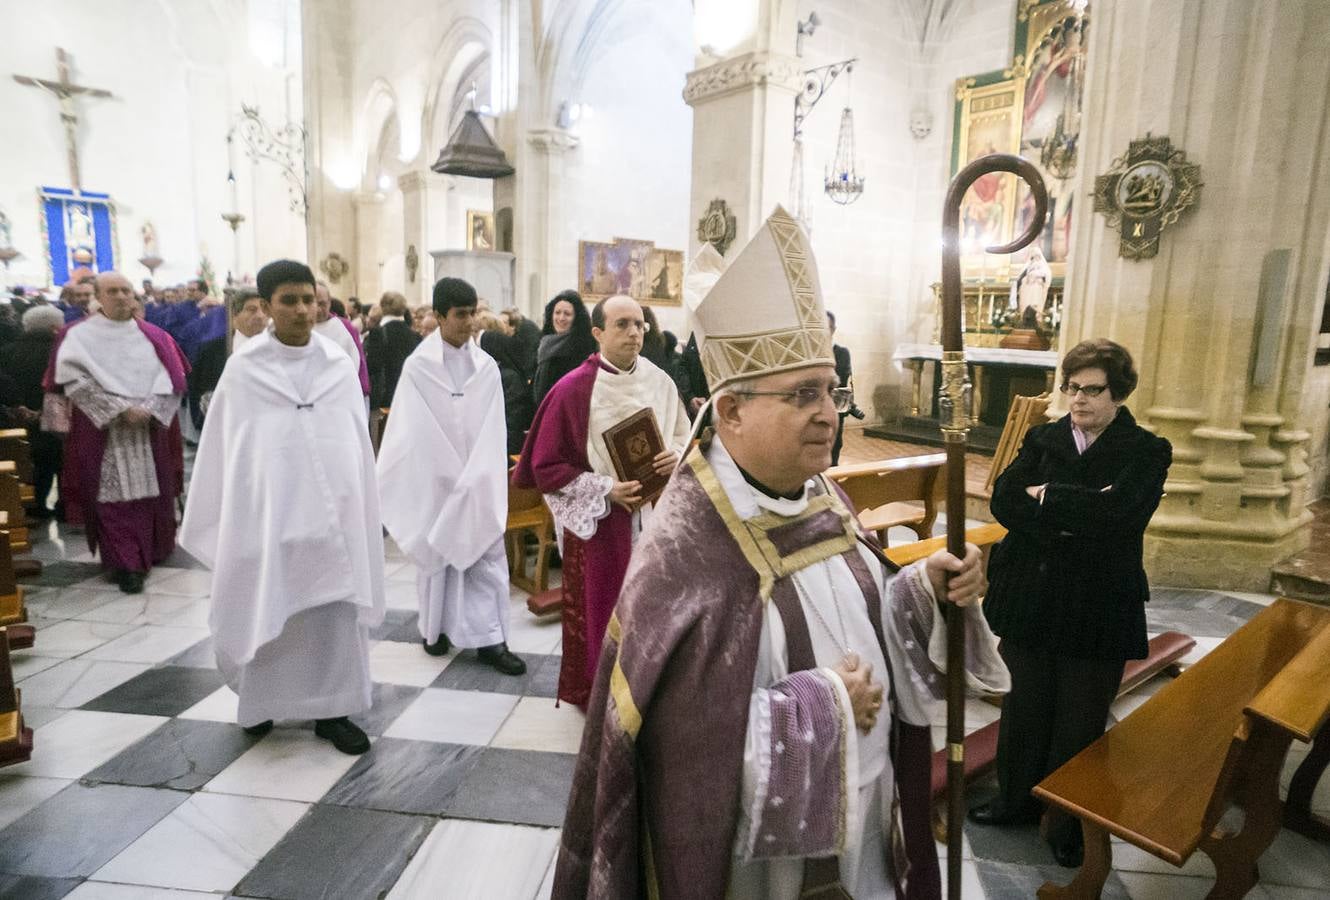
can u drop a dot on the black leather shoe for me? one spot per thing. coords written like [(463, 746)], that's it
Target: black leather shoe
[(132, 582), (439, 647), (260, 729), (344, 734), (994, 813), (1069, 854), (502, 659)]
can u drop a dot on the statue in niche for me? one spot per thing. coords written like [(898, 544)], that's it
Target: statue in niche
[(1030, 290), (149, 235), (79, 230)]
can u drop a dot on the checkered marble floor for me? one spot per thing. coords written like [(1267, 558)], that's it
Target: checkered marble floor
[(143, 788)]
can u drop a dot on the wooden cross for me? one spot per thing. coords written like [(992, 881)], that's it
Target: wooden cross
[(65, 91)]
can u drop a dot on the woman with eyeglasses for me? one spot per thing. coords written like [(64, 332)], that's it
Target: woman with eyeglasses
[(1067, 585)]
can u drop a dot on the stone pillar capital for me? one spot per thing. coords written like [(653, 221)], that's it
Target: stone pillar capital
[(749, 70), (412, 181), (367, 198), (552, 140)]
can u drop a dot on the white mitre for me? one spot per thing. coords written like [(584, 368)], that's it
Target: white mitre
[(763, 314)]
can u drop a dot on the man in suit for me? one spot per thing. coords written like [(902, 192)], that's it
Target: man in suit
[(845, 374), (386, 349)]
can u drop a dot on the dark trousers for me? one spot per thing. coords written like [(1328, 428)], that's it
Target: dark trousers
[(1057, 707), (47, 453), (840, 440)]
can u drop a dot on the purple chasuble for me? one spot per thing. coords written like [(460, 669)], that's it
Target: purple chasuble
[(655, 804)]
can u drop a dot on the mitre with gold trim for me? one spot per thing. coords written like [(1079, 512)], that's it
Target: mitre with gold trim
[(763, 313)]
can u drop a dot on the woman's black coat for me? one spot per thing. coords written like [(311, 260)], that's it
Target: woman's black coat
[(1069, 576)]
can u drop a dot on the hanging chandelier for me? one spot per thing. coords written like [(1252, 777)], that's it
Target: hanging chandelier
[(843, 183)]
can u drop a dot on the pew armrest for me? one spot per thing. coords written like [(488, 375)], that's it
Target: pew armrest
[(1298, 698)]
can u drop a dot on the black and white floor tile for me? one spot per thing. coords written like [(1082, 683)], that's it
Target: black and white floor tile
[(143, 788)]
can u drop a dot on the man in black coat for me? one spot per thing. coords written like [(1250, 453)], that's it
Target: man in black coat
[(527, 335), (247, 320), (386, 348), (24, 361), (844, 372)]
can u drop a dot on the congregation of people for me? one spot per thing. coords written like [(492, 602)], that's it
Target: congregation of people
[(757, 678)]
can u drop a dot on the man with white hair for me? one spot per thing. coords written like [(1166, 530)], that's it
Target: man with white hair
[(123, 466), (24, 361), (340, 332), (759, 725)]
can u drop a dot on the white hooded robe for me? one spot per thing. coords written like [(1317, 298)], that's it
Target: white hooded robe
[(284, 509), (444, 487)]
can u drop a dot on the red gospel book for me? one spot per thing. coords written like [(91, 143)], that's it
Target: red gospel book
[(632, 445)]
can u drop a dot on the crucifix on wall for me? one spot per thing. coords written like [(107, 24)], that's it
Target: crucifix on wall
[(65, 91)]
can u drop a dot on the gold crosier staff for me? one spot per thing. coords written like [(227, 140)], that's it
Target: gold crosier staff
[(954, 404)]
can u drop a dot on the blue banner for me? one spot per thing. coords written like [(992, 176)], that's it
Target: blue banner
[(80, 231)]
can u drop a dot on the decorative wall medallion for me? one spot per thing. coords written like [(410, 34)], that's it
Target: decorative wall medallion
[(1144, 192), (334, 267), (412, 262), (718, 226)]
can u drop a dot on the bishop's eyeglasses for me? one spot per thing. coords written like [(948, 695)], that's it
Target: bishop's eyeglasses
[(1071, 389), (842, 398)]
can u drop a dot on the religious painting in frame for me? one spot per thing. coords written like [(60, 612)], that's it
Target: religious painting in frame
[(78, 231), (1054, 41), (479, 230), (988, 120), (636, 268)]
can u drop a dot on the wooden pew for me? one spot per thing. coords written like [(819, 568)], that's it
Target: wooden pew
[(527, 514), (11, 502), (15, 737), (12, 611), (14, 447), (981, 745), (1198, 765), (890, 492)]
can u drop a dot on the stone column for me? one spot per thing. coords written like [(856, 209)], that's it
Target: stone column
[(534, 194), (416, 191), (743, 123), (1223, 320), (365, 263)]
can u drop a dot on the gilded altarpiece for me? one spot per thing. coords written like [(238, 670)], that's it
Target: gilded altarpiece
[(1031, 108)]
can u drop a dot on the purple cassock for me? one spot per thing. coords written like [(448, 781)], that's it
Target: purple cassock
[(555, 454), (133, 535)]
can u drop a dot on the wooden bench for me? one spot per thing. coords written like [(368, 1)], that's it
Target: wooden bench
[(14, 447), (11, 502), (1025, 413), (890, 492), (1198, 765), (12, 611), (527, 514), (981, 745), (15, 737)]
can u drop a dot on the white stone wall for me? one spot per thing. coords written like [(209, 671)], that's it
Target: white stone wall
[(630, 174), (879, 256), (178, 73)]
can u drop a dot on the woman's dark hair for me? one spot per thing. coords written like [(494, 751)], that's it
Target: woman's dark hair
[(337, 308), (1101, 353), (581, 318)]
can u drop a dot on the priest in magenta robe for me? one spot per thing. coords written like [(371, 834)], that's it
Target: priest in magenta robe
[(123, 465), (759, 726), (596, 515)]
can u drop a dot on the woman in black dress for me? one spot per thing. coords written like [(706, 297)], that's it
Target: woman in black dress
[(1067, 585)]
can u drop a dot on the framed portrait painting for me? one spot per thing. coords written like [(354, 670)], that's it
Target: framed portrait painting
[(479, 230)]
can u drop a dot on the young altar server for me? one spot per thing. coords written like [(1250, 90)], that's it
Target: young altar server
[(444, 483), (283, 507)]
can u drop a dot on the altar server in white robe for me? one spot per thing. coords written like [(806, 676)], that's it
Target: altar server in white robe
[(284, 508), (444, 486)]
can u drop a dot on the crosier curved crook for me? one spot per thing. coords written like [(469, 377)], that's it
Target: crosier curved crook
[(954, 406)]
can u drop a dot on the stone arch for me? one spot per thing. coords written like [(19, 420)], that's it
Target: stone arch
[(379, 108), (466, 41)]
